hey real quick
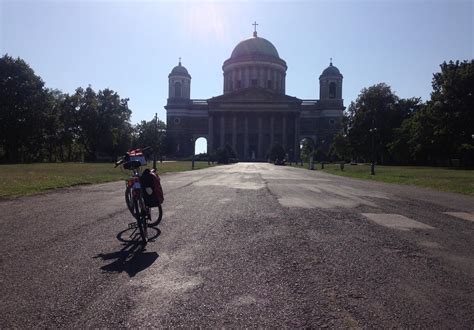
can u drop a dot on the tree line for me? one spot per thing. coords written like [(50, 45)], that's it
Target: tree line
[(42, 124), (394, 130)]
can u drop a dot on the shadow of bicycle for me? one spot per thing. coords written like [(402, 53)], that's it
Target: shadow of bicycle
[(132, 258)]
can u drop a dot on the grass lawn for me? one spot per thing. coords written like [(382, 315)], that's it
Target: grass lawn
[(25, 179), (445, 179)]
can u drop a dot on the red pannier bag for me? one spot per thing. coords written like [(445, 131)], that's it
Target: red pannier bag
[(152, 190)]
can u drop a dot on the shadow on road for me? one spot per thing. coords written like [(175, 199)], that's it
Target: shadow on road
[(132, 258)]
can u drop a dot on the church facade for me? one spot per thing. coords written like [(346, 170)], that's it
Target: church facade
[(253, 113)]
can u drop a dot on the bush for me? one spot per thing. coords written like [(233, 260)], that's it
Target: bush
[(225, 155), (467, 155), (276, 152), (203, 157)]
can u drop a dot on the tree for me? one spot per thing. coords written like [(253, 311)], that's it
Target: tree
[(442, 129), (369, 111), (307, 148), (377, 111), (402, 147), (152, 133), (277, 152), (113, 124), (38, 124), (53, 125), (102, 123), (87, 121), (23, 103), (452, 109), (225, 155), (71, 149), (341, 148)]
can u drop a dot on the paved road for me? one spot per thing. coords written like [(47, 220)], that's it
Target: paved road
[(241, 245)]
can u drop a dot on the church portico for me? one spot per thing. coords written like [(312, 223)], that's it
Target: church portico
[(253, 113), (250, 132)]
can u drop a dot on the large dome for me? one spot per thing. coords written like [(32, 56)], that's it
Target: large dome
[(254, 62), (255, 46)]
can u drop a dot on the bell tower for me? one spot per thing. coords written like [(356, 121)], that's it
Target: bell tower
[(179, 83), (330, 83)]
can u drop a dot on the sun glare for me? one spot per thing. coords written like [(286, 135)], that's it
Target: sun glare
[(205, 22)]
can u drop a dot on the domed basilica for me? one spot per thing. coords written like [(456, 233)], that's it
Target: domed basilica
[(253, 113)]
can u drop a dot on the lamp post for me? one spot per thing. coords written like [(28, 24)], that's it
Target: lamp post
[(323, 144), (372, 165), (156, 141)]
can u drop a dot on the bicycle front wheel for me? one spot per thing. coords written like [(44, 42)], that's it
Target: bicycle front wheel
[(155, 212)]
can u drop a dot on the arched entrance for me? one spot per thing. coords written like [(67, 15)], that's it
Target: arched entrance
[(200, 146)]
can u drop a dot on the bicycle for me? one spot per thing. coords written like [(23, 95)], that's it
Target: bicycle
[(134, 200)]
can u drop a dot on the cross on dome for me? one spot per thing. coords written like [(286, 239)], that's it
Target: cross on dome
[(255, 29)]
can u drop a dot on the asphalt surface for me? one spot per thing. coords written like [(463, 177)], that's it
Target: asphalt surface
[(241, 245)]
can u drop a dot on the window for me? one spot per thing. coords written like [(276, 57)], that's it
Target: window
[(177, 89), (332, 122), (239, 83), (269, 84), (231, 85), (177, 121), (254, 82), (332, 90)]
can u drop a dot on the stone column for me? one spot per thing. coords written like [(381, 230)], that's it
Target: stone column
[(210, 134), (232, 78), (249, 76), (279, 81), (246, 83), (274, 79), (234, 132), (284, 140), (246, 138), (297, 137), (260, 139), (272, 130), (222, 131)]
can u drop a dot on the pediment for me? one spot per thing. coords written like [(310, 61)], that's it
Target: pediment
[(253, 95)]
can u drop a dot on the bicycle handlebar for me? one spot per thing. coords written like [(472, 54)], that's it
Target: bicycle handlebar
[(118, 163), (122, 160)]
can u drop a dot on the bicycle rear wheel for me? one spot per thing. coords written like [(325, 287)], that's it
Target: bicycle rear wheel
[(141, 217), (129, 200), (155, 212)]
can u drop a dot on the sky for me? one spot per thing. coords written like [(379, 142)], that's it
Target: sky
[(132, 46)]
